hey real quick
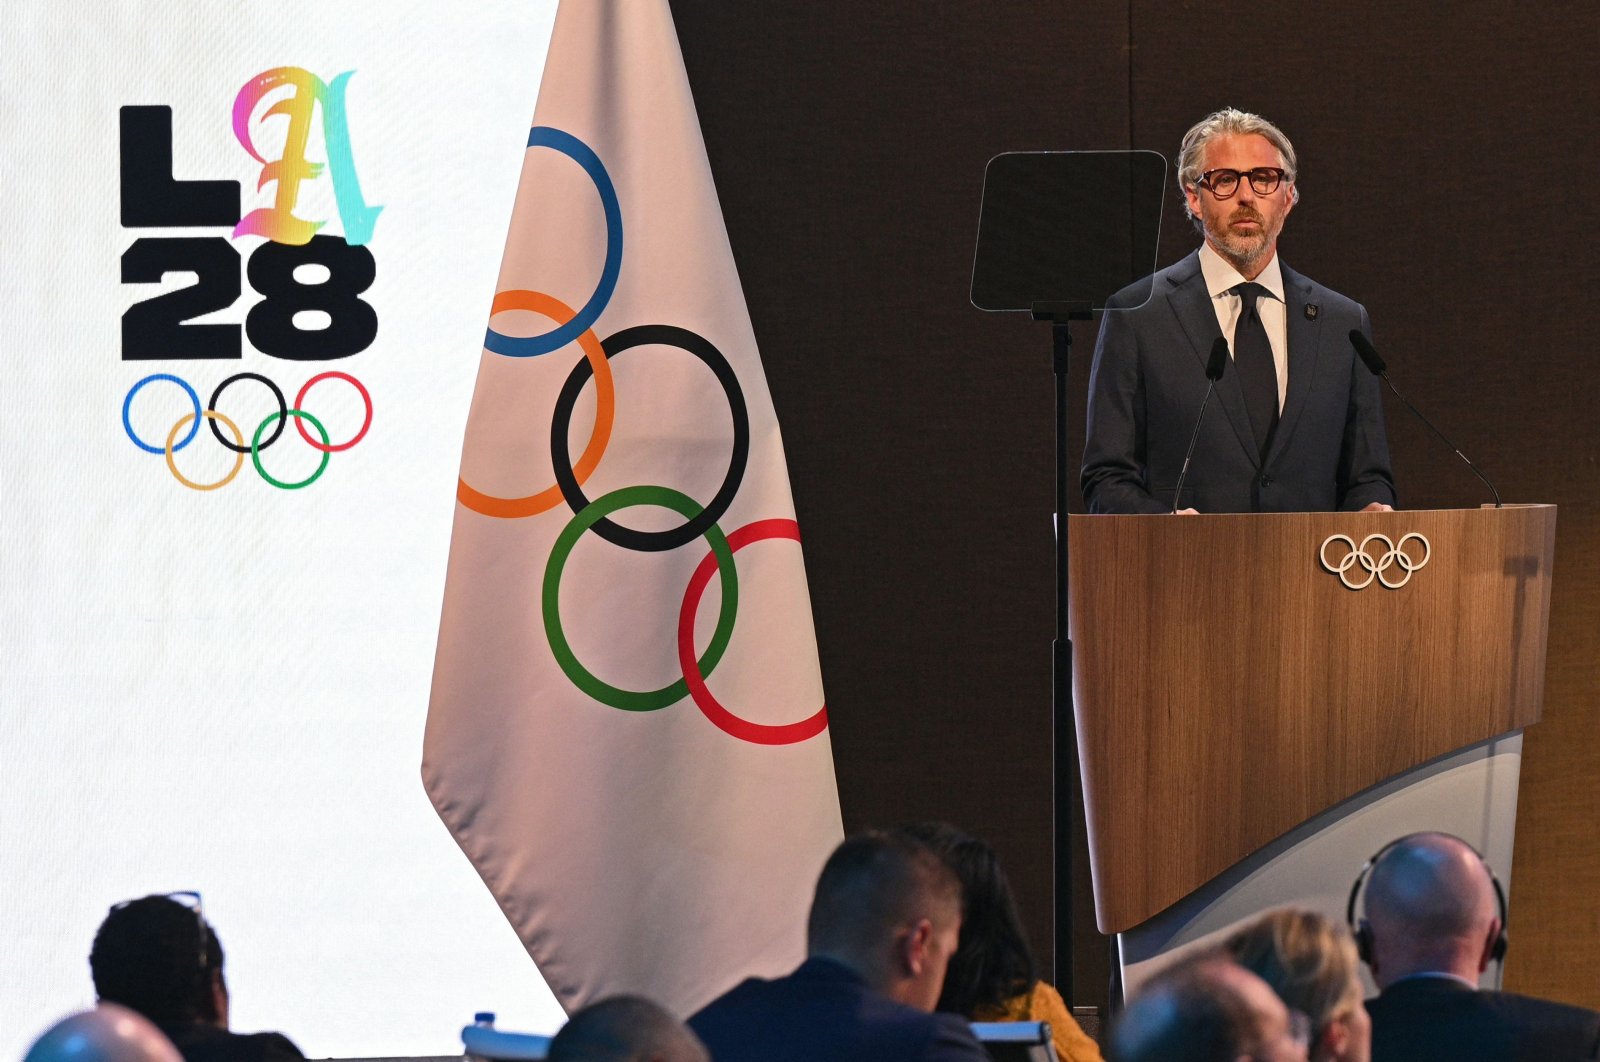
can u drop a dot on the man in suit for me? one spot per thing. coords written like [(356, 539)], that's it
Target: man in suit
[(158, 956), (1431, 927), (1208, 1008), (1300, 424), (884, 921)]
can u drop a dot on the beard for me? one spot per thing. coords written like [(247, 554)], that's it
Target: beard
[(1247, 247)]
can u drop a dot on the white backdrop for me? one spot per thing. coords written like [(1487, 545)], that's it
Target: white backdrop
[(225, 691)]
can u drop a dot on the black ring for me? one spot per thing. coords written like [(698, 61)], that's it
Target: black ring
[(283, 411), (561, 422)]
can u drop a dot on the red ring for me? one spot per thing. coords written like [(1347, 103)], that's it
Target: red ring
[(300, 400), (744, 729)]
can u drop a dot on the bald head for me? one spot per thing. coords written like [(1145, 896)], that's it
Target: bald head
[(108, 1033), (1431, 909), (1207, 1009), (626, 1029)]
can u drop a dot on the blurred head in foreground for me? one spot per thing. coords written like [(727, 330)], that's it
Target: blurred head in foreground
[(1310, 962), (108, 1033), (1208, 1009), (625, 1029)]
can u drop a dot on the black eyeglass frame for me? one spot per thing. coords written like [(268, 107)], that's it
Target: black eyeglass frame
[(1272, 176)]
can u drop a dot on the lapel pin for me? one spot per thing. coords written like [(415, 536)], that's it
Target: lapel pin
[(1312, 309)]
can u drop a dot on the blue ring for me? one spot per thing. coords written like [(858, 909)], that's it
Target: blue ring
[(127, 425), (579, 152)]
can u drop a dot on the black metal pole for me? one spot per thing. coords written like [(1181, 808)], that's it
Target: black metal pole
[(1064, 772)]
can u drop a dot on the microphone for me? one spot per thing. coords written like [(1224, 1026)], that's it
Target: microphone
[(1214, 369), (1369, 357)]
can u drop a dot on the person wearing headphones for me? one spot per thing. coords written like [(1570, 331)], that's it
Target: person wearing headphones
[(1434, 919)]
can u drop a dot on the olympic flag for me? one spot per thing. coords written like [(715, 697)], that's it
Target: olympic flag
[(626, 733)]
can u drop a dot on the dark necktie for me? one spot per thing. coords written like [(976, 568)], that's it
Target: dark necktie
[(1252, 360)]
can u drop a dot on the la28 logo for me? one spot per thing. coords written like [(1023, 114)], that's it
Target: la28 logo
[(163, 327)]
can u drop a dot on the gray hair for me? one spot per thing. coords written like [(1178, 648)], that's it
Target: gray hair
[(1230, 122)]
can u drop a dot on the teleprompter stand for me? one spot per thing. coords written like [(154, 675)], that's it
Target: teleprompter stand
[(1059, 233)]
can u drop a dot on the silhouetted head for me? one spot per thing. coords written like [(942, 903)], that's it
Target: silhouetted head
[(160, 957), (626, 1029)]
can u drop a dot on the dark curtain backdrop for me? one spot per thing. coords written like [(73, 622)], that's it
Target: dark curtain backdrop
[(1449, 164)]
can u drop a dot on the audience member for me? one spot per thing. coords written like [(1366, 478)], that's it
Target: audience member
[(991, 975), (1310, 962), (160, 957), (1432, 925), (1208, 1009), (625, 1029), (108, 1033), (884, 922)]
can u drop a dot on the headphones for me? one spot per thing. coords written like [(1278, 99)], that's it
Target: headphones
[(1362, 931)]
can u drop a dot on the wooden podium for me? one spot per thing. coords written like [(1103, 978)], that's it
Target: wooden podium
[(1230, 686)]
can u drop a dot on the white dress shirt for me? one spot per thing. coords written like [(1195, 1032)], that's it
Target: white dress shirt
[(1221, 276)]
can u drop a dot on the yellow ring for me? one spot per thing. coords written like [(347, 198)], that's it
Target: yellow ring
[(238, 458)]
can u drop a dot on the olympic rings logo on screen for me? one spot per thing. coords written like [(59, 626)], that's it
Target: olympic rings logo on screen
[(217, 421), (1394, 556), (593, 515)]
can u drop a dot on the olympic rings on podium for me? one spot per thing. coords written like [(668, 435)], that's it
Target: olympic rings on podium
[(1393, 556), (257, 444)]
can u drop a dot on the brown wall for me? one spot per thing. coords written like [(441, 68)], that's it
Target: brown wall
[(1448, 169)]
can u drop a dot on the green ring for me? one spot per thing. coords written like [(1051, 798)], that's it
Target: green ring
[(605, 693), (255, 449)]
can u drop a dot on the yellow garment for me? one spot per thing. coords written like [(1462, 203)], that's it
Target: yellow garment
[(1044, 1003)]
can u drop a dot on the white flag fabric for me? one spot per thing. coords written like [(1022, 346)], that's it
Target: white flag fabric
[(627, 734)]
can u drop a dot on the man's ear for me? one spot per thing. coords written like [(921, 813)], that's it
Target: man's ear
[(1487, 955), (914, 946), (1336, 1034), (1191, 193)]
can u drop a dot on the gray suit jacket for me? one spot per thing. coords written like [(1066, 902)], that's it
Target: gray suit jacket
[(1330, 450)]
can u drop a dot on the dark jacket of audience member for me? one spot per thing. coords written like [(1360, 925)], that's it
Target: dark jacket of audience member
[(884, 921), (162, 959), (1434, 1019)]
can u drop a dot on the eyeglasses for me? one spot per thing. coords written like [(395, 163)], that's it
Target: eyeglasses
[(191, 900), (1224, 183)]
